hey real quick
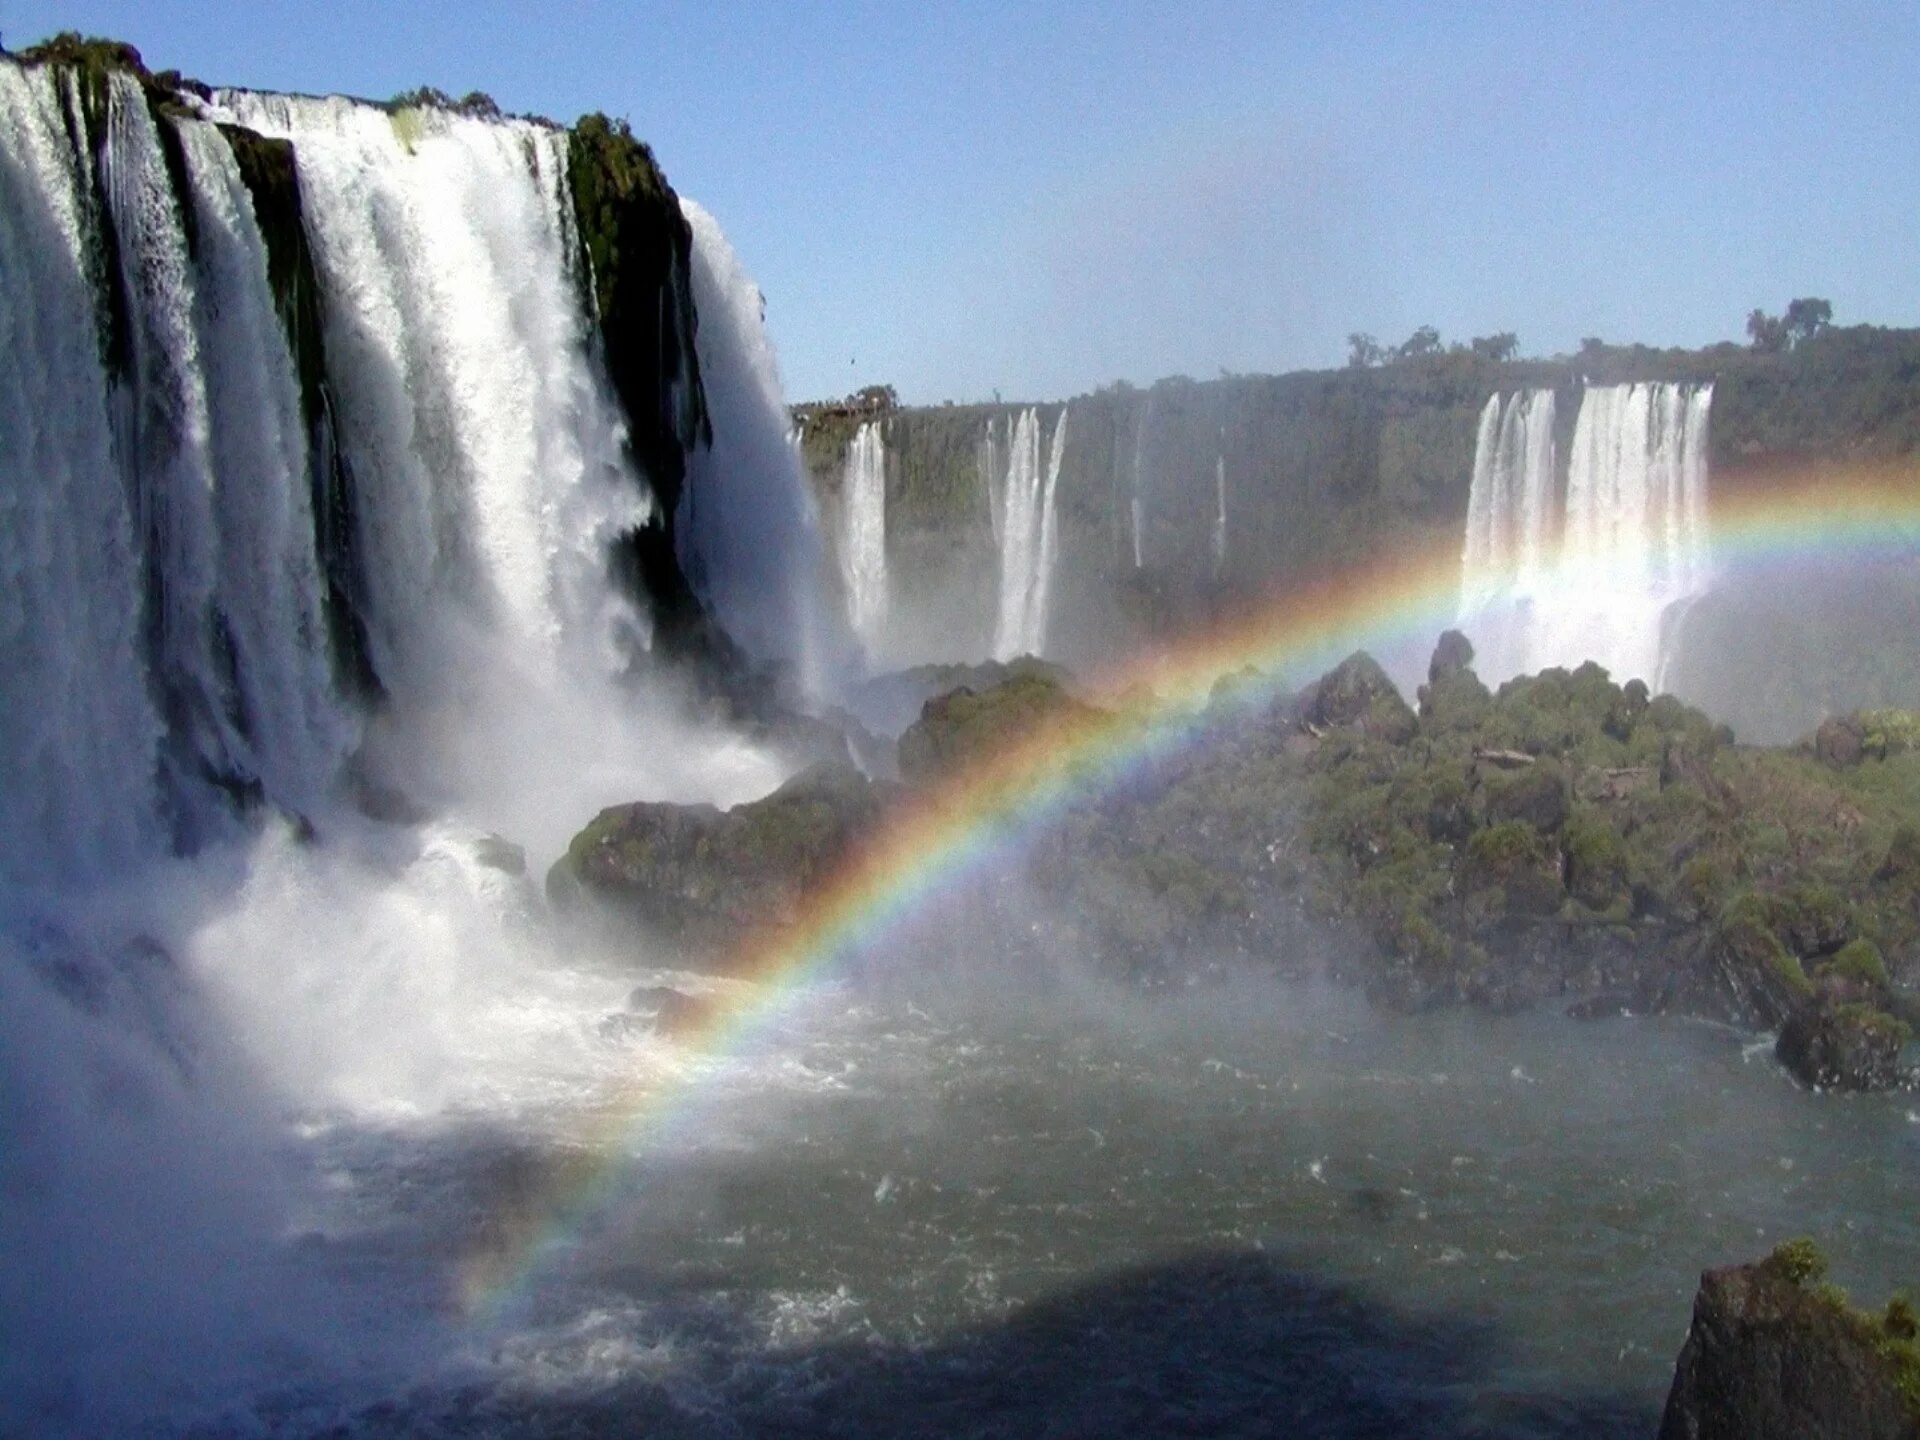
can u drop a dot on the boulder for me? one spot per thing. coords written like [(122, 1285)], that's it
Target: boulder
[(1843, 1045), (1356, 694), (966, 725), (498, 853), (1452, 654), (671, 1012), (701, 878), (1769, 1359), (1841, 741)]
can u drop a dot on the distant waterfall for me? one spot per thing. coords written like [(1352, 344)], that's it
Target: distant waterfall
[(863, 542), (1219, 514), (1023, 502), (1552, 576), (1509, 509)]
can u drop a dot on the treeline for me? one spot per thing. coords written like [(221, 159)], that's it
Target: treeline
[(1767, 334)]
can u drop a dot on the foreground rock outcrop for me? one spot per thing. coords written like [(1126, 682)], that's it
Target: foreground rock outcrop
[(1775, 1355), (700, 879), (1565, 842)]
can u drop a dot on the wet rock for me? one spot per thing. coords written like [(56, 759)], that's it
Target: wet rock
[(1768, 1359), (1452, 653), (497, 853), (965, 725), (702, 879), (1841, 741), (668, 1011), (1356, 694), (1848, 1045)]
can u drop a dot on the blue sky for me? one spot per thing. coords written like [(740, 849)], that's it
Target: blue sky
[(1039, 199)]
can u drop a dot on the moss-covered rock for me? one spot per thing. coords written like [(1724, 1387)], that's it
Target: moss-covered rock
[(1847, 1046), (703, 879), (1774, 1355), (963, 726), (1356, 694)]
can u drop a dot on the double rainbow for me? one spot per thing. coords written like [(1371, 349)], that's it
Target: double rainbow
[(1157, 706)]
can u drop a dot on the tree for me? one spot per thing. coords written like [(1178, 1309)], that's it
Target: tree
[(1497, 348), (1423, 342), (1768, 332), (1363, 350), (1806, 318)]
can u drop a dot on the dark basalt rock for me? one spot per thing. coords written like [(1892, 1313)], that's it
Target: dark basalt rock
[(702, 879), (1768, 1359), (965, 725), (1847, 1045), (1356, 694), (669, 1012), (1841, 741)]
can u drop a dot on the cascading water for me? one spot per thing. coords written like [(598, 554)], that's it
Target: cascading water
[(1023, 502), (1509, 517), (1219, 514), (750, 532), (863, 536), (1593, 575), (164, 634)]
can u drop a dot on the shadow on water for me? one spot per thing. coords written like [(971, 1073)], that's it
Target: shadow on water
[(1216, 1343)]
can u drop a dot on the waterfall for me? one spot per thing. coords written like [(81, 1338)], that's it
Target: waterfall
[(484, 443), (1136, 501), (863, 535), (1219, 514), (1023, 502), (750, 533), (199, 392), (1551, 579)]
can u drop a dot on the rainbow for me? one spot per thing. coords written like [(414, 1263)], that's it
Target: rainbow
[(1151, 706)]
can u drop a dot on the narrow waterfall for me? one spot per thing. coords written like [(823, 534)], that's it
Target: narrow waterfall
[(750, 534), (1136, 502), (1553, 576), (1029, 542), (863, 535), (1219, 514)]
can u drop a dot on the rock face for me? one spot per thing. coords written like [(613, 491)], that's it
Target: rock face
[(1357, 694), (1767, 1359), (701, 879), (1845, 1046), (964, 725)]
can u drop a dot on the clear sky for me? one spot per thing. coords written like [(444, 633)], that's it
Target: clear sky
[(1036, 199)]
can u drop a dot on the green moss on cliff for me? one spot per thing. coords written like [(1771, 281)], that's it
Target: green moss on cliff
[(634, 270)]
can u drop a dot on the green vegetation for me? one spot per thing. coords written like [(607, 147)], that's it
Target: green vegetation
[(1890, 1333)]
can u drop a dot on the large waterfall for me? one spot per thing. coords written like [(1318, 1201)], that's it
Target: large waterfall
[(1022, 491), (863, 535), (308, 513), (1557, 571)]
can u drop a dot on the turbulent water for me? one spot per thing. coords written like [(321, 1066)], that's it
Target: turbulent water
[(1586, 561), (1256, 1210), (1023, 477), (863, 542), (203, 937)]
